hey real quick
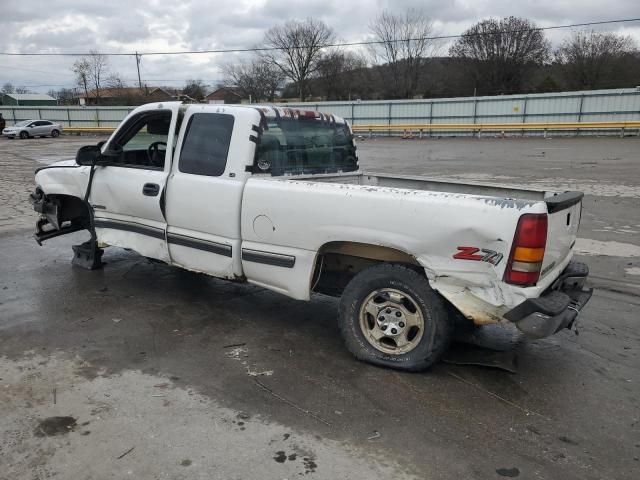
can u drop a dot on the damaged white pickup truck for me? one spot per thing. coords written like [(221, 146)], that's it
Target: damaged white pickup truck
[(275, 197)]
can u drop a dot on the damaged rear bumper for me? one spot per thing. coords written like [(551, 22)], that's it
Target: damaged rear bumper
[(555, 309)]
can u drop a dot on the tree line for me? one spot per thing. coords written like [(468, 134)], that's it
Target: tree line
[(494, 56), (406, 60)]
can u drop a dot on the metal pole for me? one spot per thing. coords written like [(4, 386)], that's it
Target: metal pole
[(13, 113), (430, 116), (580, 113), (40, 114), (524, 113), (138, 67), (389, 118), (475, 109), (68, 117), (98, 117), (352, 113)]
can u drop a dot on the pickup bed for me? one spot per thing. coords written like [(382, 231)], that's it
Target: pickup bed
[(275, 197)]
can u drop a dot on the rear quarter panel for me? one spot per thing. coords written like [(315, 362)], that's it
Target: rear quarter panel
[(427, 225)]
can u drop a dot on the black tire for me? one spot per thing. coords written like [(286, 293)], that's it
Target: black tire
[(24, 135), (438, 328), (55, 133)]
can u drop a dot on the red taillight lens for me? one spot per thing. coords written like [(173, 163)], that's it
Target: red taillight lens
[(532, 231), (527, 252)]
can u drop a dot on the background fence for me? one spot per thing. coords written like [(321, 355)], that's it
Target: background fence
[(584, 106), (617, 105), (75, 116)]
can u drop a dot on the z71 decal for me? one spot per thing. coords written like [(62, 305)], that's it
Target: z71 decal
[(471, 253)]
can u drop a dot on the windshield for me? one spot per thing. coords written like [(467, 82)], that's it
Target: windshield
[(295, 146), (23, 123)]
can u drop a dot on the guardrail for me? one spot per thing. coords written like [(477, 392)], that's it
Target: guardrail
[(88, 130), (475, 128), (478, 128)]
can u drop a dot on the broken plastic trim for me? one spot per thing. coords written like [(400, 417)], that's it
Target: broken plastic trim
[(88, 255)]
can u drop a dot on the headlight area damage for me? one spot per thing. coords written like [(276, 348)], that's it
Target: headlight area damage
[(63, 214)]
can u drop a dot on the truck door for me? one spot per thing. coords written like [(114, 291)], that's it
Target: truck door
[(127, 195), (204, 191)]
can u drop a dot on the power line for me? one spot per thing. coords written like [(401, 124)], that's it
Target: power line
[(344, 44), (132, 80)]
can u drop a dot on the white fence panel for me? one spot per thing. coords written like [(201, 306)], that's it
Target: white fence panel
[(585, 106)]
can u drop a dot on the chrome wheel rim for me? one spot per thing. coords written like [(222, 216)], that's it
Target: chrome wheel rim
[(391, 321)]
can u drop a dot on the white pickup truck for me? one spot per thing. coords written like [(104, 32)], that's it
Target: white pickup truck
[(274, 197)]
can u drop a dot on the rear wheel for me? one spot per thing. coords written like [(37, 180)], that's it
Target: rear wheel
[(24, 135), (55, 133), (390, 316)]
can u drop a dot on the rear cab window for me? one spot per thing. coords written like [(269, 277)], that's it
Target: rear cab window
[(305, 145), (206, 144)]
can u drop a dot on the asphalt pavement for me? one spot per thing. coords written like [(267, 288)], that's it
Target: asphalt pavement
[(141, 370)]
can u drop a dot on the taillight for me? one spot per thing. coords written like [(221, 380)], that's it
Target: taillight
[(527, 252)]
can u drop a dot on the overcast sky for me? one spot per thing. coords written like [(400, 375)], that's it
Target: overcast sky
[(155, 25)]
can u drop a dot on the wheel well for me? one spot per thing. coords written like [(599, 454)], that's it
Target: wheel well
[(70, 208), (338, 262)]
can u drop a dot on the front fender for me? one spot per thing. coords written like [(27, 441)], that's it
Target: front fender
[(63, 178)]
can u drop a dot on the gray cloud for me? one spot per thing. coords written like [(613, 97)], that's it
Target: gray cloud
[(154, 25)]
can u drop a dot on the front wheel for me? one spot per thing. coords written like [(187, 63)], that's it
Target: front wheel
[(390, 316), (24, 135), (55, 133)]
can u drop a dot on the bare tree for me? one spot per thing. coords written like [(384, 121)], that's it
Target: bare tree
[(404, 46), (81, 69), (195, 89), (590, 59), (91, 71), (500, 53), (258, 79), (22, 90), (336, 76), (65, 96), (7, 88), (98, 71), (299, 48), (114, 81)]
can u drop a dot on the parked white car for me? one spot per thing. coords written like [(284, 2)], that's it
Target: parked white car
[(33, 128), (275, 197)]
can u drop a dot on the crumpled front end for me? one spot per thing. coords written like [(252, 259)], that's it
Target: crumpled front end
[(59, 215)]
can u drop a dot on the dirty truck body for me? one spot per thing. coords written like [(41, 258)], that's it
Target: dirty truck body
[(275, 197)]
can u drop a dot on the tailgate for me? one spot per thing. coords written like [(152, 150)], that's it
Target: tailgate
[(564, 212)]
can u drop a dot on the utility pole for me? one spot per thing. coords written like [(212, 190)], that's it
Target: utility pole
[(138, 66)]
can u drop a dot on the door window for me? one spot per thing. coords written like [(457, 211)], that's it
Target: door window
[(206, 144), (142, 142)]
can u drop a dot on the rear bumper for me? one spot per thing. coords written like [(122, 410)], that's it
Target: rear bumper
[(555, 309)]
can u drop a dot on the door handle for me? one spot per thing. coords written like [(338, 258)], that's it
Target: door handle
[(151, 189)]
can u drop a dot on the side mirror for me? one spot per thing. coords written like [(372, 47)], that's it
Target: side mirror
[(90, 155)]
